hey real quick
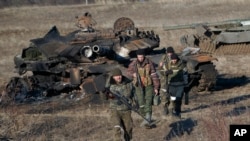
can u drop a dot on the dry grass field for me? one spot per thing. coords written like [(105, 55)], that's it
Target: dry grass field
[(206, 118)]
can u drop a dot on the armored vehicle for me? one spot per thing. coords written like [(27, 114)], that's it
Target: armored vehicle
[(230, 37), (77, 62), (201, 70), (221, 38)]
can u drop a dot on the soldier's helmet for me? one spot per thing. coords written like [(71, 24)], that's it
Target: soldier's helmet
[(174, 57), (140, 52), (116, 72), (170, 49)]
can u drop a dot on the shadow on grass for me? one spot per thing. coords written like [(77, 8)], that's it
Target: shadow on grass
[(225, 82), (5, 139), (180, 127), (229, 101), (238, 111)]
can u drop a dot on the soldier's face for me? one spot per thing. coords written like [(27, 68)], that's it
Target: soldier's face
[(174, 61), (117, 78), (169, 54), (140, 58)]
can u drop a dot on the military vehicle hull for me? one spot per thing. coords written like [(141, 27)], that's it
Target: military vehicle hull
[(219, 38), (202, 72), (77, 63), (222, 38)]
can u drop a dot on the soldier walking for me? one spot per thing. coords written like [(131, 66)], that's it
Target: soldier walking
[(177, 79), (163, 65), (146, 83), (120, 113)]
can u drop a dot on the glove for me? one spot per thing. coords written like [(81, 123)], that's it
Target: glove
[(169, 72), (108, 94)]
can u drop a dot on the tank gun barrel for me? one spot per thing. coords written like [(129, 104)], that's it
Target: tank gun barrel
[(86, 51), (102, 51), (222, 24)]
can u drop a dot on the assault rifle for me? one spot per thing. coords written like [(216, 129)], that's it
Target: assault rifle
[(138, 82), (124, 100), (138, 79)]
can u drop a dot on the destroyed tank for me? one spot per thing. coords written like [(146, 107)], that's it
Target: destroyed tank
[(230, 37), (202, 74), (212, 39), (76, 63)]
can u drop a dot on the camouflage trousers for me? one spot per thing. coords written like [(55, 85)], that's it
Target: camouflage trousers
[(122, 125), (145, 99), (165, 97), (164, 84)]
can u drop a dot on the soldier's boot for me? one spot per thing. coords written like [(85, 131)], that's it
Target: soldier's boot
[(146, 122), (118, 133), (127, 137), (178, 108), (165, 101), (166, 109), (171, 107), (175, 113)]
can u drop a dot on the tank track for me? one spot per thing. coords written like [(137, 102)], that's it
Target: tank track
[(230, 49), (208, 77)]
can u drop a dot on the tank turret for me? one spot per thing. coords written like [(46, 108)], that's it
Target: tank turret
[(76, 63)]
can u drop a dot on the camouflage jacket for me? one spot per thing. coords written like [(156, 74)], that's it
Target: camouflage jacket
[(179, 75), (125, 89), (148, 64), (165, 60)]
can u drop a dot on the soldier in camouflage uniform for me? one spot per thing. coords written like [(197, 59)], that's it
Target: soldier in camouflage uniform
[(120, 113), (177, 79), (143, 70), (165, 97)]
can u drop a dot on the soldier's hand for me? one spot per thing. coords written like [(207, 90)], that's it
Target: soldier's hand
[(134, 75), (105, 91), (160, 64), (156, 92), (108, 93), (111, 96), (169, 72)]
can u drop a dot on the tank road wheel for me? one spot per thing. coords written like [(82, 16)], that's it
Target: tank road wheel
[(207, 79), (123, 24), (17, 89)]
